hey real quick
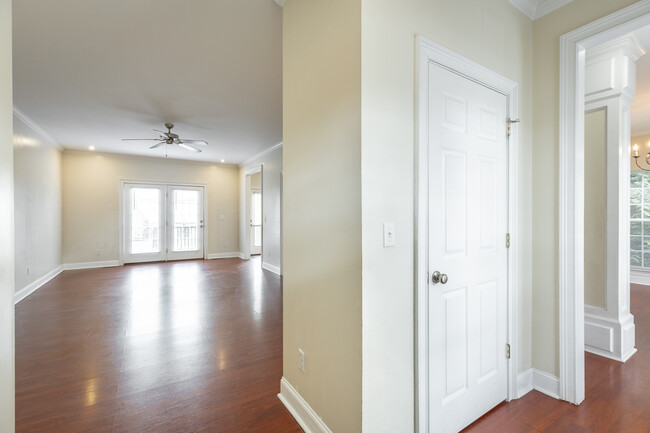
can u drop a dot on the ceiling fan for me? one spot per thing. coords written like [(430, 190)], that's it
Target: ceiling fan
[(170, 138)]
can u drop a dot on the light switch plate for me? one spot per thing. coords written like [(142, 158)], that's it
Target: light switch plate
[(389, 234)]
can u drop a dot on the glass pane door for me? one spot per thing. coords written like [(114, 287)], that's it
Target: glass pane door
[(144, 219), (162, 222), (185, 222)]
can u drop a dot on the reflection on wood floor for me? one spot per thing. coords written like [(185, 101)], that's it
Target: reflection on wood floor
[(617, 395), (192, 346)]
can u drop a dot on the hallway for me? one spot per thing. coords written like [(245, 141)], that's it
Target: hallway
[(617, 397), (192, 346)]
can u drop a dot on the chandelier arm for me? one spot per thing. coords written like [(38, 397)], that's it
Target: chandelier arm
[(636, 160)]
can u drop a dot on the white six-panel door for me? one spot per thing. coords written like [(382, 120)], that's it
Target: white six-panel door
[(467, 207)]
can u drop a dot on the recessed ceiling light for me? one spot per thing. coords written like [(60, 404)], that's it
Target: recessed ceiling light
[(223, 160), (91, 147)]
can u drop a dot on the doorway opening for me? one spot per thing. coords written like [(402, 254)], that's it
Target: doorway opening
[(254, 241), (573, 102), (162, 222)]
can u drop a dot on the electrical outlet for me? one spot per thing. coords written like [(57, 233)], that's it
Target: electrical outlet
[(99, 252), (301, 360)]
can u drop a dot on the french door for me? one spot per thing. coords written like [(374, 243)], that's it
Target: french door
[(162, 222), (256, 222)]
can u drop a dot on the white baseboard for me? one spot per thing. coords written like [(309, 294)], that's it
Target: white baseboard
[(524, 382), (90, 265), (640, 276), (34, 286), (301, 411), (223, 256), (538, 380), (272, 268), (546, 383), (242, 256)]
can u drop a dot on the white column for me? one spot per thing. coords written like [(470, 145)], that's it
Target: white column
[(610, 77)]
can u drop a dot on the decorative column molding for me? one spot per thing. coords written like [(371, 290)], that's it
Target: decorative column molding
[(610, 83), (280, 2)]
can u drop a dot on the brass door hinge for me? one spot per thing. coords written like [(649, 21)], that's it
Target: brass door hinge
[(509, 123), (507, 240), (507, 351)]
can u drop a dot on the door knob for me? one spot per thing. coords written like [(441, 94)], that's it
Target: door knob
[(437, 277)]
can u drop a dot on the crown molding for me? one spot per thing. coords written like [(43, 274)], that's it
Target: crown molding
[(260, 155), (280, 2), (36, 127), (534, 9)]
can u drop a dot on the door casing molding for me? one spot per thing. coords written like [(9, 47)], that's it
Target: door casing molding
[(430, 52), (571, 187)]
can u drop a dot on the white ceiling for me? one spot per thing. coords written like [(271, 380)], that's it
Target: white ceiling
[(94, 72), (640, 110)]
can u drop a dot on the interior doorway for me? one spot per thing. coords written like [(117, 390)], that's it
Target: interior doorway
[(573, 48), (255, 218), (162, 222)]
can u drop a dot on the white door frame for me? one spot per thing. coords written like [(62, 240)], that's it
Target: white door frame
[(571, 183), (429, 52), (246, 248), (122, 222)]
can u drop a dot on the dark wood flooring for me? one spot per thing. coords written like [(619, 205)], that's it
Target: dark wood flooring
[(192, 346), (617, 395)]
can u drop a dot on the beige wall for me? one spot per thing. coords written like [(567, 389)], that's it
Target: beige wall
[(546, 66), (37, 203), (322, 206), (271, 183), (495, 35), (91, 196), (596, 208), (7, 415)]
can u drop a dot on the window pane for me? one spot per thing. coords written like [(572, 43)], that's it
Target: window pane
[(646, 260), (635, 179), (646, 228), (636, 228), (257, 236), (635, 196), (635, 211), (145, 220), (636, 258), (646, 180), (635, 243), (186, 220)]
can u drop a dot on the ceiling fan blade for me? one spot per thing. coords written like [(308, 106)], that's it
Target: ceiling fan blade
[(162, 132), (198, 142), (190, 148), (157, 145), (140, 139)]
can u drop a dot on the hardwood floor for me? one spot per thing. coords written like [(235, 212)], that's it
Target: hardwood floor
[(179, 347), (617, 395)]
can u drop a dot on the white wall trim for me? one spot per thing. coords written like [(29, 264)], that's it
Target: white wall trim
[(36, 127), (264, 152), (306, 417), (640, 276), (35, 285), (571, 187), (427, 52), (90, 265), (280, 2), (272, 268), (524, 382), (534, 9), (242, 256), (223, 255), (546, 383)]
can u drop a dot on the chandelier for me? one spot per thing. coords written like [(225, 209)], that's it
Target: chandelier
[(636, 158)]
